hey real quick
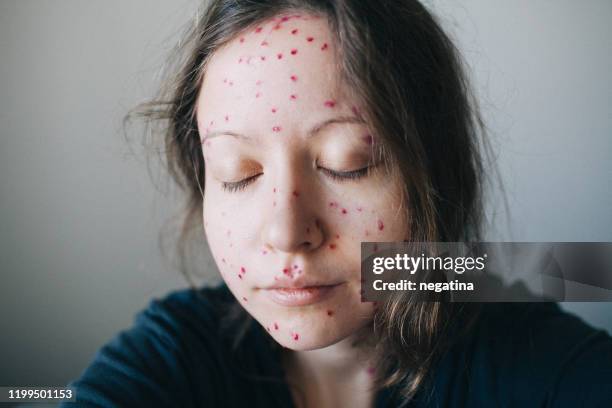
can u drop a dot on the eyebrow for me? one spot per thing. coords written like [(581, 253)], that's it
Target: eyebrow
[(312, 132)]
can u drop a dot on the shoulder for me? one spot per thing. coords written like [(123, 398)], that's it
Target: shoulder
[(174, 342), (531, 354)]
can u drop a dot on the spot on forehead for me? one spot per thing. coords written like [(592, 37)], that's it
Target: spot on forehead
[(258, 29), (276, 129), (310, 39), (294, 78), (294, 31), (294, 51), (279, 55), (324, 47)]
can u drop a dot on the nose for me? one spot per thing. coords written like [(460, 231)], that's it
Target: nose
[(293, 226)]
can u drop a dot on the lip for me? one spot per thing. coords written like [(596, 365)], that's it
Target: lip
[(300, 296)]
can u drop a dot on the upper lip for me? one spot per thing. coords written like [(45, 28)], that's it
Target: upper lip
[(284, 283)]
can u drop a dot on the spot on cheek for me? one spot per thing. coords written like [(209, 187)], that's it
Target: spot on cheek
[(241, 39), (368, 139), (324, 47), (293, 97), (226, 118), (258, 95), (329, 104), (242, 269), (275, 326), (258, 30), (264, 43), (273, 110), (294, 31), (294, 78), (295, 336), (245, 299), (279, 56), (381, 226), (310, 39), (276, 129), (332, 246), (344, 211), (263, 58), (296, 193), (330, 312), (294, 51)]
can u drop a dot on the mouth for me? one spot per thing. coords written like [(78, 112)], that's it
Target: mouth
[(301, 296)]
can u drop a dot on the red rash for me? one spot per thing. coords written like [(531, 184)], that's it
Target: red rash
[(332, 246), (294, 51), (273, 110), (294, 31), (324, 47), (275, 326), (296, 336), (368, 139), (276, 129), (293, 97), (296, 193), (310, 39), (294, 78), (279, 56), (330, 104), (258, 30), (242, 269), (381, 226), (344, 211), (264, 43), (330, 313)]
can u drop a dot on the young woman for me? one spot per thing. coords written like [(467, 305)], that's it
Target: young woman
[(299, 129)]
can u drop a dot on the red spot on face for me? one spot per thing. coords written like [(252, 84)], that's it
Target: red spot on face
[(332, 246), (329, 104), (242, 269), (243, 298), (277, 27), (258, 29), (239, 60), (240, 276), (275, 326), (226, 118), (286, 271), (264, 252), (333, 204), (368, 139), (259, 82), (231, 83), (381, 226), (279, 55), (294, 31), (324, 47), (344, 211), (371, 370), (285, 19), (296, 193), (264, 43), (337, 236), (293, 97), (223, 260), (294, 78), (295, 266), (258, 94), (276, 129), (310, 39), (367, 233), (330, 312), (294, 51), (274, 190), (296, 336), (263, 58), (241, 39), (359, 209)]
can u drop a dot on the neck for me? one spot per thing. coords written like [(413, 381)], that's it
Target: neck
[(341, 372)]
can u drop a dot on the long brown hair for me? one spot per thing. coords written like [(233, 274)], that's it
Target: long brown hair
[(408, 75)]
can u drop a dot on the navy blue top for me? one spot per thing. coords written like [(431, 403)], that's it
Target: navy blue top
[(177, 354)]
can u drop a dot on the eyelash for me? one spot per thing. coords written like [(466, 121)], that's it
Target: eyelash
[(340, 176)]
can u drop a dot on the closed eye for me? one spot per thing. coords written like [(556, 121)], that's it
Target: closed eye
[(235, 186)]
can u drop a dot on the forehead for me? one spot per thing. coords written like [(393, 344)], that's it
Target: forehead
[(281, 67)]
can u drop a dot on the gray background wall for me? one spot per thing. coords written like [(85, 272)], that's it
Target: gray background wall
[(79, 216)]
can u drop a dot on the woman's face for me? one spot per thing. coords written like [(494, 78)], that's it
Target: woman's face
[(289, 196)]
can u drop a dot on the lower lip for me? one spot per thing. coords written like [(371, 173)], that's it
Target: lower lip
[(301, 296)]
